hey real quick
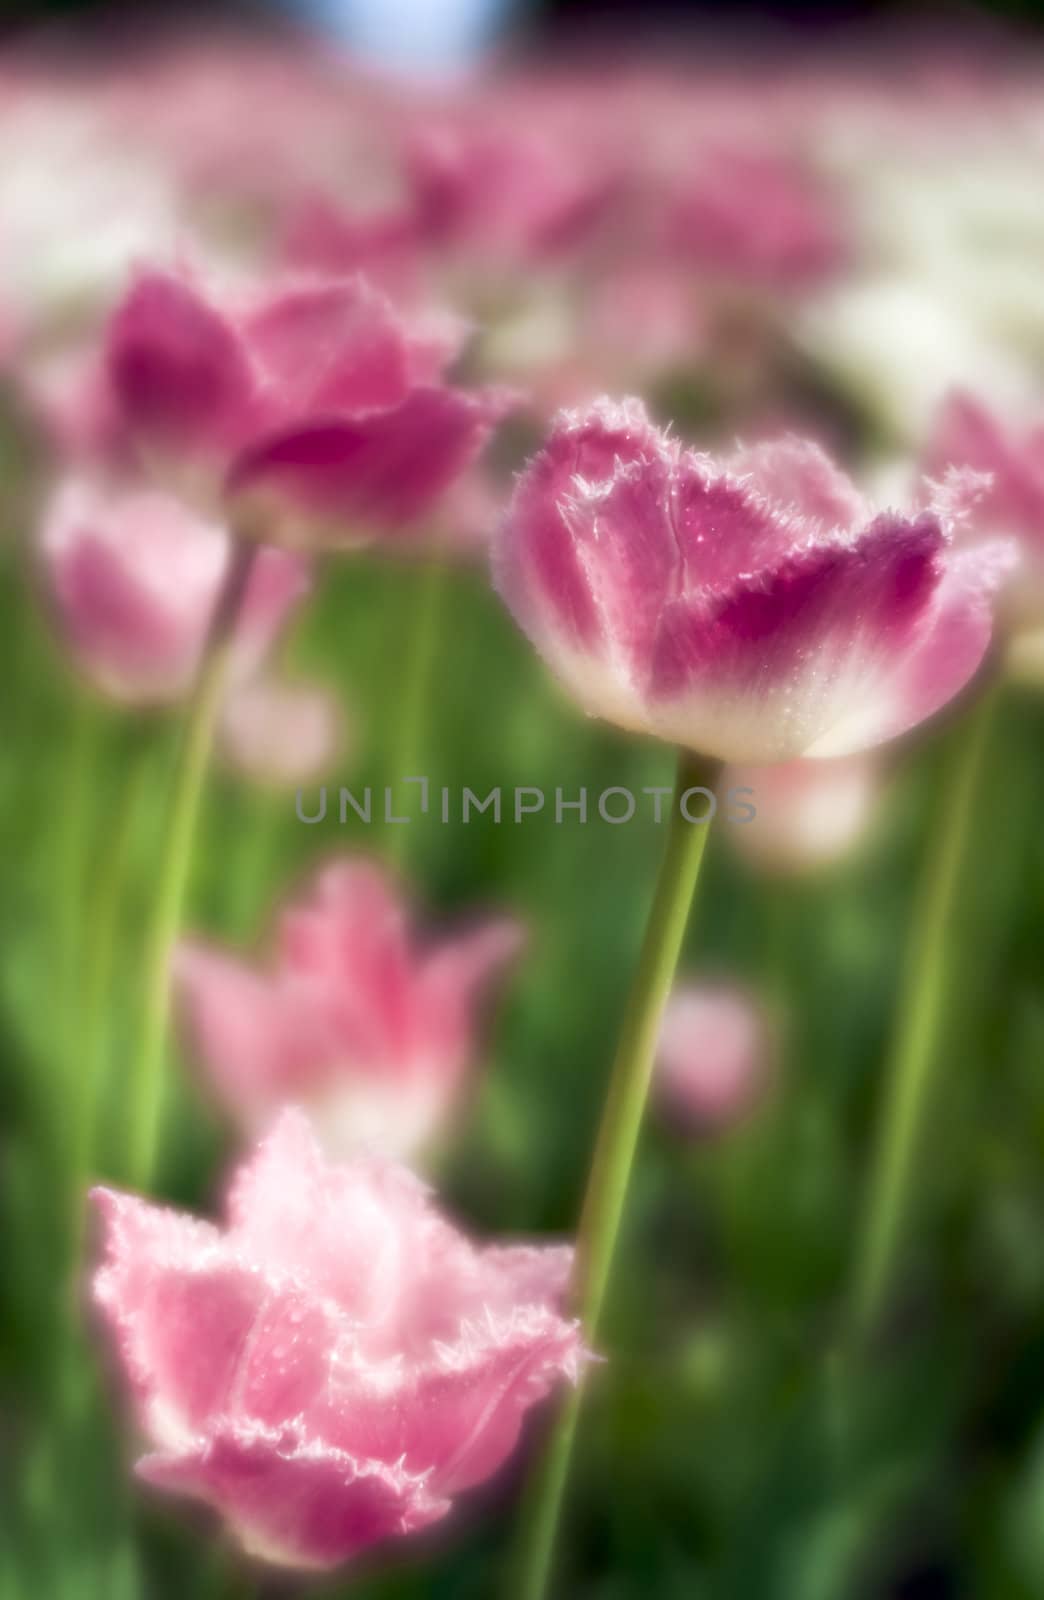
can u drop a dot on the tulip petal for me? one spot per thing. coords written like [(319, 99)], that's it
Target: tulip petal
[(182, 1312), (760, 673), (797, 473), (329, 1369), (235, 1023), (330, 346), (293, 1501), (946, 654), (465, 1413), (178, 367), (538, 570), (384, 467)]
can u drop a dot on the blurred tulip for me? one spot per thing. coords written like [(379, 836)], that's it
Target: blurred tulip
[(754, 609), (502, 194), (69, 398), (808, 814), (318, 403), (334, 1366), (287, 734), (134, 577), (713, 1057), (968, 435), (756, 216), (372, 1033)]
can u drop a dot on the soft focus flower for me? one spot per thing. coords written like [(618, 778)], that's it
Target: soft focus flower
[(713, 1057), (754, 609), (68, 396), (503, 194), (319, 401), (968, 435), (281, 732), (134, 578), (752, 215), (808, 814), (338, 1362), (370, 1030)]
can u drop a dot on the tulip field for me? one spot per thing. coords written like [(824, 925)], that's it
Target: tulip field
[(522, 978)]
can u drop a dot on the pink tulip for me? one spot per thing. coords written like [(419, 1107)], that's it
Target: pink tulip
[(713, 1058), (282, 733), (134, 578), (968, 435), (754, 609), (367, 1028), (317, 402), (808, 814), (338, 1362)]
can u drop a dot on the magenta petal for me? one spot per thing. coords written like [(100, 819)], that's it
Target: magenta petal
[(724, 531), (561, 571), (293, 1501), (742, 610), (382, 468), (764, 672), (946, 654), (178, 368)]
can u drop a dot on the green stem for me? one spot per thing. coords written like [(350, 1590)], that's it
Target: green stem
[(175, 860), (70, 863), (614, 1156), (927, 972), (422, 635), (105, 906)]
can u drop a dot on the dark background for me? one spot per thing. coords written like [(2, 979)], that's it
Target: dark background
[(750, 22)]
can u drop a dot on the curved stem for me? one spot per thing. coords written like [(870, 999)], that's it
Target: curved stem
[(920, 1013), (614, 1155), (173, 867)]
